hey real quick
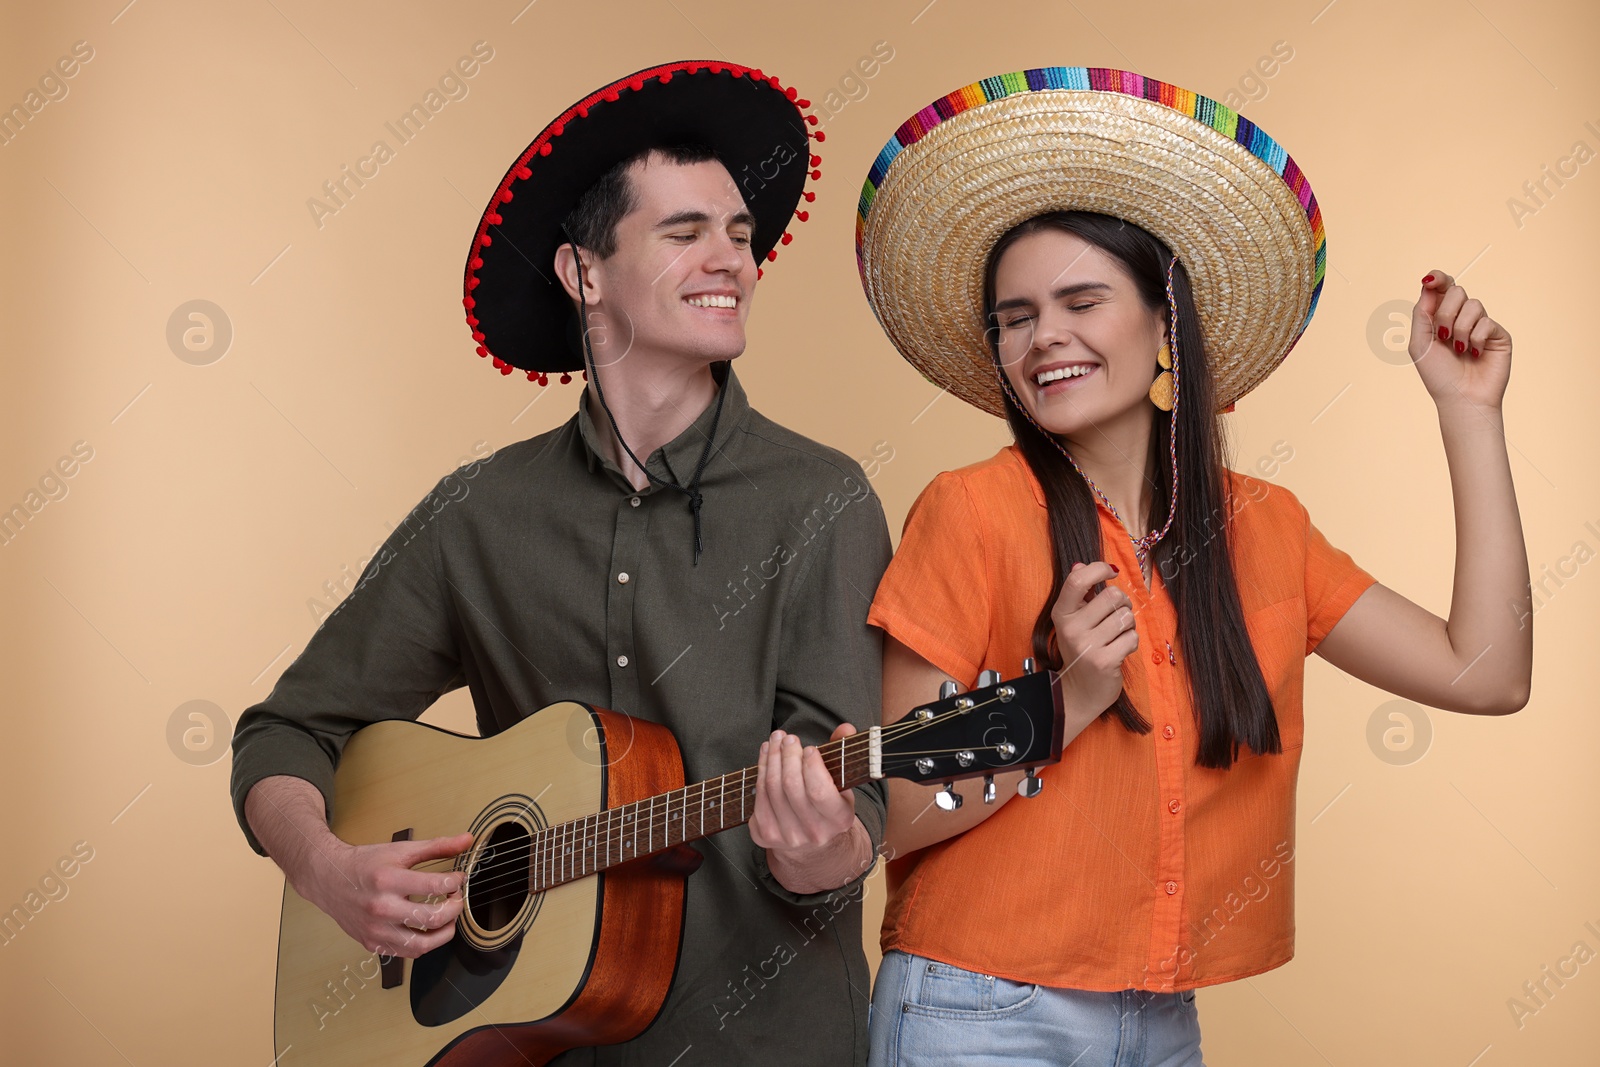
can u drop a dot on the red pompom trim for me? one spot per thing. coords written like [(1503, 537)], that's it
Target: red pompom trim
[(611, 94)]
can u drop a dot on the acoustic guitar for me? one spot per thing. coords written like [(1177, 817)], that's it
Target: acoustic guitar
[(575, 885)]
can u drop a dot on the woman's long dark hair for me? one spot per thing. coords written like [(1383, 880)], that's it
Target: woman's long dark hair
[(1231, 702)]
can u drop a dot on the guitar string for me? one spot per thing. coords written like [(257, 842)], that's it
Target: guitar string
[(522, 852), (552, 836), (553, 849), (494, 882), (489, 889)]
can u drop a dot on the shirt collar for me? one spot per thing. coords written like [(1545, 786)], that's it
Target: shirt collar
[(1027, 473), (677, 458)]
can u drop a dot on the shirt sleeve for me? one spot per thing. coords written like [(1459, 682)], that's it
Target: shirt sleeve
[(387, 651), (934, 598), (830, 668), (1333, 584)]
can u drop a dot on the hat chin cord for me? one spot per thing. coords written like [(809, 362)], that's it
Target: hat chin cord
[(692, 490)]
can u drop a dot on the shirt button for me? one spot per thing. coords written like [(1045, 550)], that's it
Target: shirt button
[(622, 661), (623, 578), (1172, 887), (634, 501), (1173, 806), (1155, 656), (1167, 732)]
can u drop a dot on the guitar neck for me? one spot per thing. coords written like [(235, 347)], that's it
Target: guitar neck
[(572, 850)]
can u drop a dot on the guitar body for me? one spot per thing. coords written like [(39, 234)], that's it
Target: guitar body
[(574, 896), (527, 975)]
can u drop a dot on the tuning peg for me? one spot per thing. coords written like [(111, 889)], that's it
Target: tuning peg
[(988, 678), (948, 690), (1029, 666), (947, 798), (988, 789), (1030, 784)]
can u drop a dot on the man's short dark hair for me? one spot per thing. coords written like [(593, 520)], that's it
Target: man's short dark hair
[(593, 222)]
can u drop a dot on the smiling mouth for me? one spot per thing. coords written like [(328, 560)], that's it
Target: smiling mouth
[(713, 300), (1061, 376)]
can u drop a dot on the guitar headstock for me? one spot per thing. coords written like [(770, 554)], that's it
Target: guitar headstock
[(998, 726)]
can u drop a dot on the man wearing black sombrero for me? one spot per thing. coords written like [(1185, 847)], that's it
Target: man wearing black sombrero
[(667, 552)]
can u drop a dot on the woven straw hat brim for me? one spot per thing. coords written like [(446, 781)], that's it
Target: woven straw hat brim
[(1251, 243)]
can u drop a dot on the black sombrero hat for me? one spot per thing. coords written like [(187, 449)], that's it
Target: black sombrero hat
[(518, 312)]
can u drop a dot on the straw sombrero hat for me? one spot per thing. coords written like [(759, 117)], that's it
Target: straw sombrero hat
[(1225, 197)]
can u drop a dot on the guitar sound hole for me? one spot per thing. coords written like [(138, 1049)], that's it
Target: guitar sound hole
[(497, 885)]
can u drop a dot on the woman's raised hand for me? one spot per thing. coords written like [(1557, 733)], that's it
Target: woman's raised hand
[(1462, 354), (1094, 634)]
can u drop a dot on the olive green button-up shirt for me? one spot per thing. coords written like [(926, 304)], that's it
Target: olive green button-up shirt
[(539, 574)]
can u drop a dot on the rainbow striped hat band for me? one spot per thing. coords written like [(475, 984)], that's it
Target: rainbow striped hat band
[(1223, 195)]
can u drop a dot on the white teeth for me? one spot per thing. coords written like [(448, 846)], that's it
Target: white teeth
[(713, 301), (1063, 372)]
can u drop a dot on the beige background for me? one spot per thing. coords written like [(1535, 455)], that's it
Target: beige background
[(182, 560)]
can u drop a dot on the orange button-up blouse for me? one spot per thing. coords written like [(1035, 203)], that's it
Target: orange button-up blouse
[(1134, 867)]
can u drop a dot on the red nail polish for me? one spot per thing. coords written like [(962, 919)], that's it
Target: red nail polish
[(1114, 568), (1475, 352), (1428, 279), (1461, 346), (1444, 333)]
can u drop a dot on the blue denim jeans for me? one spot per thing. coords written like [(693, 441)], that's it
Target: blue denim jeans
[(925, 1012)]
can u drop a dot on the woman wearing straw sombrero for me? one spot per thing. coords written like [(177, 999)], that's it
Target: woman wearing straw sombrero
[(1109, 263)]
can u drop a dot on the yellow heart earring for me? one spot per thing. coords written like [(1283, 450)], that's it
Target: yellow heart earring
[(1161, 389)]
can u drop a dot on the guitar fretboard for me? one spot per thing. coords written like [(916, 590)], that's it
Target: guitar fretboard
[(577, 849)]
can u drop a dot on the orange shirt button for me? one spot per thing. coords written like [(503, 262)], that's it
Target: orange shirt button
[(1167, 731), (1173, 806), (1172, 887), (1155, 657)]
